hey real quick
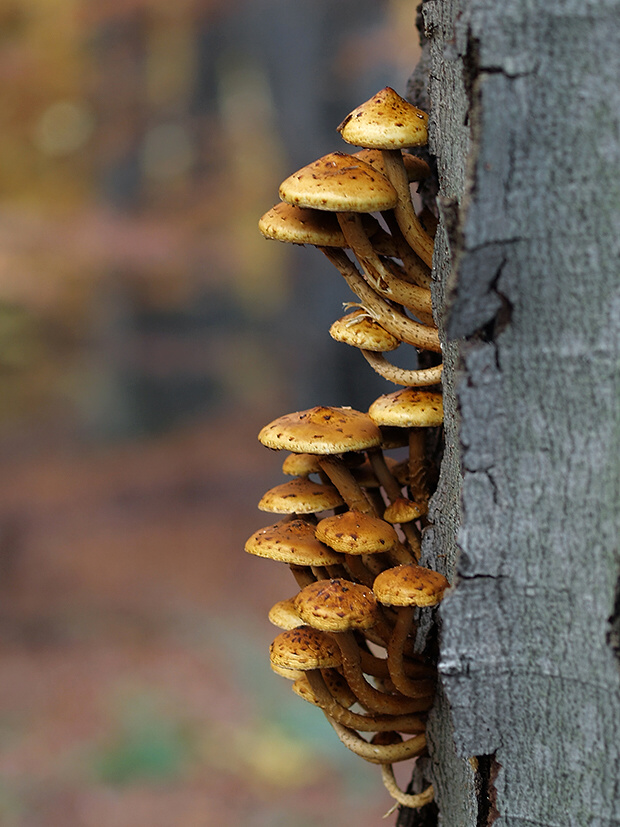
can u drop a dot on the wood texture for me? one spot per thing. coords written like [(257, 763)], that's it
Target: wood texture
[(528, 253)]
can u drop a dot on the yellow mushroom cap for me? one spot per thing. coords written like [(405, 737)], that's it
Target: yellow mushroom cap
[(292, 542), (321, 430), (403, 510), (358, 330), (356, 533), (301, 465), (304, 648), (339, 183), (337, 605), (300, 496), (409, 585), (284, 615), (408, 408), (301, 225), (386, 121)]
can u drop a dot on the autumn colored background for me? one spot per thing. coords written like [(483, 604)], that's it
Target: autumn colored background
[(147, 332)]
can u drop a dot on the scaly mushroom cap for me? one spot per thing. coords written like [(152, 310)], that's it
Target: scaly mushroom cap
[(337, 606), (386, 121), (356, 533), (358, 330), (417, 169), (300, 225), (408, 408), (403, 510), (304, 648), (291, 542), (321, 430), (300, 496), (409, 585), (339, 183)]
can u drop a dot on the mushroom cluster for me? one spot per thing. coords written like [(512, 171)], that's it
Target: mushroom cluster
[(352, 516)]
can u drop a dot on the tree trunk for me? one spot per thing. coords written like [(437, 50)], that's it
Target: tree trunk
[(525, 125)]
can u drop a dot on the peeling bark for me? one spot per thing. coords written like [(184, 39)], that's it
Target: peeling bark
[(525, 126)]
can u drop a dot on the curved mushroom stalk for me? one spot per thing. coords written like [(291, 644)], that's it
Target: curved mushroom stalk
[(372, 699), (393, 490), (399, 376), (379, 753), (365, 723), (388, 316), (378, 275), (409, 800), (415, 234)]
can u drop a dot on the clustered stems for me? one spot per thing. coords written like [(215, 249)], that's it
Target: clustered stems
[(352, 624)]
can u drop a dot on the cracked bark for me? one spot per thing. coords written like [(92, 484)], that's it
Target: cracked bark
[(525, 111)]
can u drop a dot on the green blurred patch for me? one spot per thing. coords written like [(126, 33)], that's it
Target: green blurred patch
[(147, 745)]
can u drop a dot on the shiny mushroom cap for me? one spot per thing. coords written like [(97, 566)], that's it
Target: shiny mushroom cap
[(339, 183), (359, 330), (291, 542), (304, 648), (403, 510), (386, 121), (321, 430), (409, 585), (408, 408), (300, 496), (356, 533), (337, 606)]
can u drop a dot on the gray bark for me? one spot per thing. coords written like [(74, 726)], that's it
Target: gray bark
[(525, 124)]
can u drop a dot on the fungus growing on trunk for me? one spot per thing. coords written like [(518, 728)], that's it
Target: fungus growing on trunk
[(390, 123), (406, 587)]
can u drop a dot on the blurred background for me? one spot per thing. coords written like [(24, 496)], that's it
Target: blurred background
[(147, 332)]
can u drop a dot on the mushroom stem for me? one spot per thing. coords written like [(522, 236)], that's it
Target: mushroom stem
[(380, 278), (400, 376), (388, 316), (393, 491), (348, 487), (378, 667), (364, 723), (303, 576), (410, 800), (368, 696), (417, 238), (414, 267), (378, 753), (396, 645)]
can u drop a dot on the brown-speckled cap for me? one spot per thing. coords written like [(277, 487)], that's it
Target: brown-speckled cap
[(337, 605), (409, 585), (300, 496), (403, 510), (339, 183), (386, 121), (291, 542), (300, 225), (321, 430), (304, 648), (356, 533), (408, 408), (358, 330)]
